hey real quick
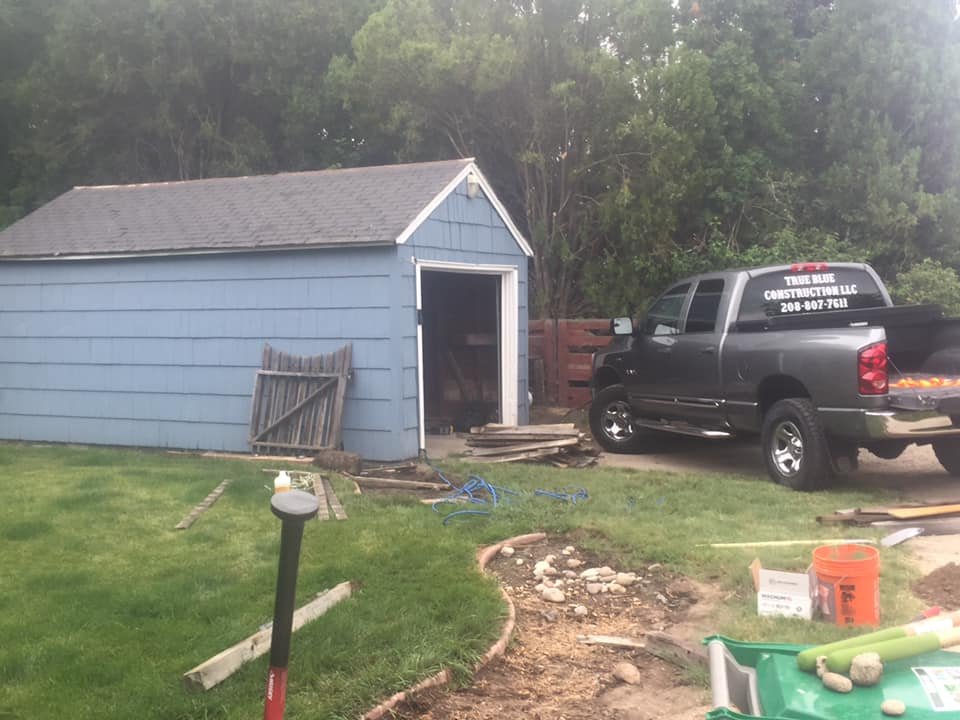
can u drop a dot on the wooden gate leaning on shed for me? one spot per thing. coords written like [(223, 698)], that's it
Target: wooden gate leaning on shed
[(298, 401)]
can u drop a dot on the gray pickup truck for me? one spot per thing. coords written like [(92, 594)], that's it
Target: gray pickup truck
[(812, 357)]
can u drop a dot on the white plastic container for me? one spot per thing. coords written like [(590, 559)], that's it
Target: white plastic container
[(281, 483)]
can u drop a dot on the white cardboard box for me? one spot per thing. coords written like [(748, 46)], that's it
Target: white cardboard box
[(786, 594)]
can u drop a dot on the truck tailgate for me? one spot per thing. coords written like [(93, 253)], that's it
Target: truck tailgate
[(919, 391)]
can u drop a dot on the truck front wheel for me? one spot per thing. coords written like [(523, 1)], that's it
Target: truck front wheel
[(795, 448), (612, 422), (947, 451)]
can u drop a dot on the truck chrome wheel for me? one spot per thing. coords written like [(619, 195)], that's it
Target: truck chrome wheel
[(787, 449), (617, 421)]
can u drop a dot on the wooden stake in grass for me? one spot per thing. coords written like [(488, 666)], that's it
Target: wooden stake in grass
[(203, 506)]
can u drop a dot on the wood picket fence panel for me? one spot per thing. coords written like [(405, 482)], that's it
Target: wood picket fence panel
[(560, 352)]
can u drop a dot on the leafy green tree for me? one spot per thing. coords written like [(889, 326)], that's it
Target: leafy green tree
[(533, 90), (929, 282)]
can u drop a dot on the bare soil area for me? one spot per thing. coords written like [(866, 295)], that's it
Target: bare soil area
[(546, 674), (941, 587)]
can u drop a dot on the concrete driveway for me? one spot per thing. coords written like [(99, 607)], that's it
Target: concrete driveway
[(916, 475)]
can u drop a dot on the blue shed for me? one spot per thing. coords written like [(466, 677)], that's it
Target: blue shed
[(137, 314)]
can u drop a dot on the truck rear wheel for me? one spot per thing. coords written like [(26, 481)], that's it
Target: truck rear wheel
[(612, 422), (947, 451), (795, 447)]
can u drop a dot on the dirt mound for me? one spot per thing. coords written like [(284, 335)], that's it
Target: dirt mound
[(941, 587)]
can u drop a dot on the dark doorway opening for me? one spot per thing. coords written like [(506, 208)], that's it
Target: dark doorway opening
[(461, 350)]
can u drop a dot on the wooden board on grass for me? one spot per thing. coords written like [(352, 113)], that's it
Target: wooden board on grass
[(222, 665), (524, 447), (919, 512)]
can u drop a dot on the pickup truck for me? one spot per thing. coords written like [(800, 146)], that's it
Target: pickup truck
[(812, 357)]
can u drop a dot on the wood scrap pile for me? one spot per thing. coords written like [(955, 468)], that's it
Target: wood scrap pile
[(934, 518), (560, 445)]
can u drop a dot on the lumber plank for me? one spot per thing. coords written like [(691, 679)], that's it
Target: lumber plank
[(498, 439), (212, 672), (529, 455), (929, 511), (611, 640), (524, 447), (338, 512), (363, 480), (203, 506), (323, 513)]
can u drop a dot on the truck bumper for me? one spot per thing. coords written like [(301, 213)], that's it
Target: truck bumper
[(869, 425)]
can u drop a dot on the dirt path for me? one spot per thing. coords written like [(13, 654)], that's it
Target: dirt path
[(547, 674)]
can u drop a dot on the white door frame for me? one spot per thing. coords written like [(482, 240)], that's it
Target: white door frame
[(509, 327)]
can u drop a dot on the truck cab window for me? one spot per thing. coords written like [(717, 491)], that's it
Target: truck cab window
[(664, 315), (705, 307)]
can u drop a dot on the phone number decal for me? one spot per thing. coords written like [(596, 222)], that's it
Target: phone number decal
[(814, 305)]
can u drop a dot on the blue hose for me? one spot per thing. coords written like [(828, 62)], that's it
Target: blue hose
[(476, 490)]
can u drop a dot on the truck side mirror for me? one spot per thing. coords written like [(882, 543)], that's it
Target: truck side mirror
[(622, 326)]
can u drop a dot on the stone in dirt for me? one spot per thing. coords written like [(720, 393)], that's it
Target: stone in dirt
[(580, 611), (626, 579), (893, 707), (539, 588), (590, 573), (507, 551), (574, 563), (617, 589), (550, 559), (554, 595), (550, 571), (627, 672), (594, 588), (569, 574), (519, 561), (569, 550), (550, 615), (541, 566)]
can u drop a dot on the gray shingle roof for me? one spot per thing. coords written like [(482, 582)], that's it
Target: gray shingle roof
[(371, 205)]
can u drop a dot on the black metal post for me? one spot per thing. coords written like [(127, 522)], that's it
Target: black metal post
[(293, 508)]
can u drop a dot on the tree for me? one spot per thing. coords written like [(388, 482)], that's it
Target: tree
[(929, 282), (533, 90)]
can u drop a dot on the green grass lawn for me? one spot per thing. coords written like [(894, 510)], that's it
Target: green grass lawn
[(103, 605)]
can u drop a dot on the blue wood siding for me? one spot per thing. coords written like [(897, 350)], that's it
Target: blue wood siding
[(460, 230), (162, 352)]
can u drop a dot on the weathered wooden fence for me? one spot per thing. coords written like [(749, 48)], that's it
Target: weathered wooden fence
[(560, 353)]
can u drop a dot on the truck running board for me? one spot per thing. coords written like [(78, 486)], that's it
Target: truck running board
[(681, 429)]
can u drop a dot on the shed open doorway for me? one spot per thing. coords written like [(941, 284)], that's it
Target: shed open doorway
[(461, 350), (467, 345)]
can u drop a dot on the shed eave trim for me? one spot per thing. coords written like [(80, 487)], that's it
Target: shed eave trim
[(198, 251), (427, 211)]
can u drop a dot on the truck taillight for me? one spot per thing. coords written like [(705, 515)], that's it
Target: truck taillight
[(809, 267), (872, 369)]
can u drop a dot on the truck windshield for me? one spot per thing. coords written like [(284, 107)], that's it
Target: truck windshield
[(786, 292)]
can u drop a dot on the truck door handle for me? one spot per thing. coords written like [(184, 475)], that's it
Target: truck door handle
[(708, 351)]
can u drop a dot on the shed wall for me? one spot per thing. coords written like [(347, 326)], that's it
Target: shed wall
[(161, 352), (460, 230)]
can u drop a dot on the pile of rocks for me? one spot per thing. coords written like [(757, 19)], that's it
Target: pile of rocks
[(560, 578)]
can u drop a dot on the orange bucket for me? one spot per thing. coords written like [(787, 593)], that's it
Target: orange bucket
[(848, 583)]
